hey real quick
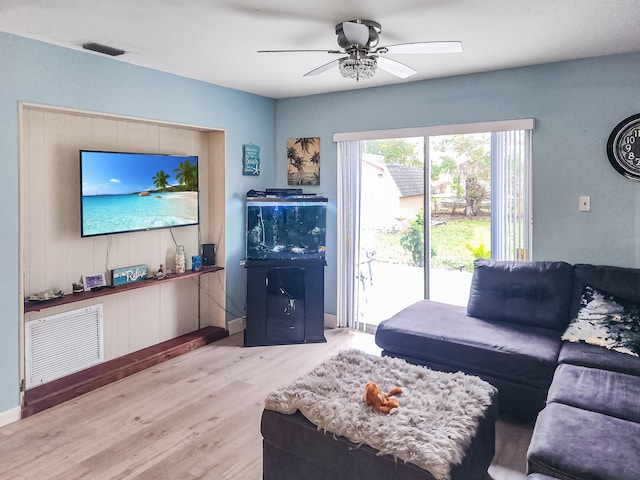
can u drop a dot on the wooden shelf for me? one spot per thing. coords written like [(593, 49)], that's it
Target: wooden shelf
[(31, 306)]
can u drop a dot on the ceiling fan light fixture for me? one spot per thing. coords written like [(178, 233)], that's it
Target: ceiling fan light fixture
[(358, 67), (358, 40)]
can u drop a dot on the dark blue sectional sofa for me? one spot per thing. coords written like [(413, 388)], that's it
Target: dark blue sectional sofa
[(585, 398)]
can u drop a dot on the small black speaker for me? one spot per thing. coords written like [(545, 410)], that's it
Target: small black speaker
[(208, 254)]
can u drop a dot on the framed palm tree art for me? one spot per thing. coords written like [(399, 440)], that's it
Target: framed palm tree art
[(303, 161)]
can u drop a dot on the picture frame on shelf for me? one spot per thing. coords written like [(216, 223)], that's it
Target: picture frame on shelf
[(93, 280)]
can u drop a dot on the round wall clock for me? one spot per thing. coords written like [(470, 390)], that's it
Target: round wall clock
[(623, 147)]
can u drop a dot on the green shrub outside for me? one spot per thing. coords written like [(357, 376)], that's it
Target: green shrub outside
[(455, 243)]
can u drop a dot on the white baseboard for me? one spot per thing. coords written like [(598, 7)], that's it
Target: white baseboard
[(236, 325), (9, 416), (330, 320)]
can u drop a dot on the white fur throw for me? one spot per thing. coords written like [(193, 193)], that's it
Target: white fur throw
[(435, 423)]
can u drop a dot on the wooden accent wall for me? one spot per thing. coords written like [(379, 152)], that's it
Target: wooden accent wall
[(54, 255)]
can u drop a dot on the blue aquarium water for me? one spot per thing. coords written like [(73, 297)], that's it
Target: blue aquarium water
[(123, 213), (286, 228)]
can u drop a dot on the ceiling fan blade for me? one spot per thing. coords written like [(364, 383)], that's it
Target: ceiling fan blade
[(396, 68), (323, 68), (356, 33), (298, 51), (425, 47)]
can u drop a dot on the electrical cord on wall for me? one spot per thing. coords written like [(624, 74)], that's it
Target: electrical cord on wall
[(106, 260), (227, 297), (230, 300), (174, 238), (225, 292), (215, 301)]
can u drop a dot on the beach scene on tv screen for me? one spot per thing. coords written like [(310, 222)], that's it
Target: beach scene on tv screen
[(128, 192)]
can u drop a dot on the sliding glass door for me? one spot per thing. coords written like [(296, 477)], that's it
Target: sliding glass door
[(391, 260), (459, 212), (416, 211)]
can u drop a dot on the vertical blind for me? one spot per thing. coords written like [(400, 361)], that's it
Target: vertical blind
[(511, 218), (349, 181)]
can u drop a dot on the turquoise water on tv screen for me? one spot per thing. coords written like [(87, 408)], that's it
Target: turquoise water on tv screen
[(105, 214)]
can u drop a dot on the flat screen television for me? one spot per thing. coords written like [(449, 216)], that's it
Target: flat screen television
[(128, 192)]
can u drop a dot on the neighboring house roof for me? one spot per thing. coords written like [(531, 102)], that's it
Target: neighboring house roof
[(409, 180)]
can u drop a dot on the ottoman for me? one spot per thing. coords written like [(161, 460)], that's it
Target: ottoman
[(575, 444), (306, 441)]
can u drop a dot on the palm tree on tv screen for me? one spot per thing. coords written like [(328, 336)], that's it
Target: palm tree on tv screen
[(187, 174), (160, 180)]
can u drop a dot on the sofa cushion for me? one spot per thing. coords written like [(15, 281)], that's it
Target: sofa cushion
[(606, 321), (445, 334), (574, 444), (611, 393), (620, 282), (536, 294), (598, 357)]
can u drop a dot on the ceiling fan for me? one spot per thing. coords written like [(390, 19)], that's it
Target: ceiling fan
[(358, 40)]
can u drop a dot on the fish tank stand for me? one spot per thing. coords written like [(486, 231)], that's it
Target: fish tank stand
[(285, 302)]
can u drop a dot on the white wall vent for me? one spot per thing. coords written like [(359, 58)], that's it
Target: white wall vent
[(62, 344)]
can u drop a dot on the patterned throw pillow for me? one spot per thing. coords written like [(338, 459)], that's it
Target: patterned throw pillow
[(606, 321)]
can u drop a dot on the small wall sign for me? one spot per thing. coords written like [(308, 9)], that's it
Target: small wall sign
[(131, 274), (251, 159)]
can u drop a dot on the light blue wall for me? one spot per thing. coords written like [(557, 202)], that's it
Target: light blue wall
[(35, 72), (575, 104)]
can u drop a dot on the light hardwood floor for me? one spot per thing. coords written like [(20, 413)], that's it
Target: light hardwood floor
[(196, 416)]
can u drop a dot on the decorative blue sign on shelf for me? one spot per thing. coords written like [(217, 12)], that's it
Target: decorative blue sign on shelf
[(251, 160), (130, 274)]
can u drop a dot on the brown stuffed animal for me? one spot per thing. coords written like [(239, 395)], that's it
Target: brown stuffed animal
[(383, 402)]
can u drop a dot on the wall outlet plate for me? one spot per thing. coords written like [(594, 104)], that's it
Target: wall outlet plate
[(585, 203)]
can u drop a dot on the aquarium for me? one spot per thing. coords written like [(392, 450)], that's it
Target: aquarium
[(287, 228)]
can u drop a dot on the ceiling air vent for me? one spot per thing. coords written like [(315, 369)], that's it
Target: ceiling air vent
[(97, 47)]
